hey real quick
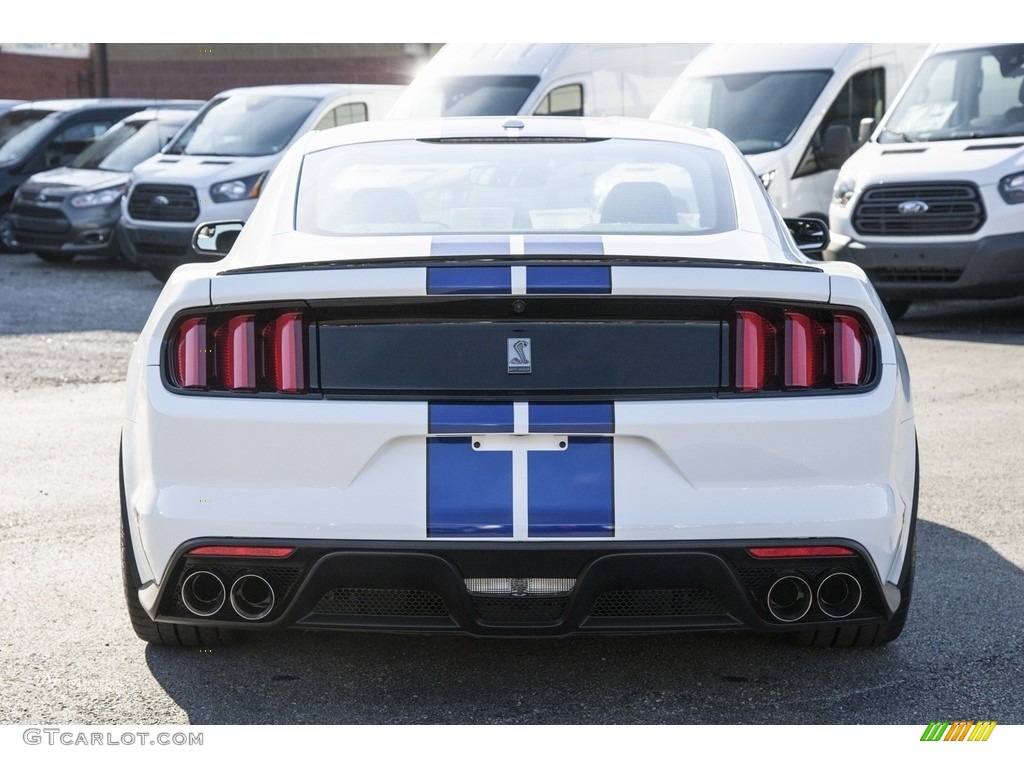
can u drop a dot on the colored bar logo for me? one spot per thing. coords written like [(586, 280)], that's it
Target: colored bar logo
[(958, 730)]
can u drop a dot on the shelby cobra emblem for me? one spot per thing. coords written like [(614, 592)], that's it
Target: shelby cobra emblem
[(519, 356)]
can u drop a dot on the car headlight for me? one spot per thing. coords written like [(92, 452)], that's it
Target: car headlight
[(239, 189), (842, 192), (1012, 188), (99, 197), (767, 177)]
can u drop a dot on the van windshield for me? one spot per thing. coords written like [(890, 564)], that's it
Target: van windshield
[(484, 95), (244, 125), (758, 111), (970, 94), (126, 145)]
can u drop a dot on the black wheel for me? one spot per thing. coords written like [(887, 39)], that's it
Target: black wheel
[(56, 258), (147, 629), (896, 308), (872, 635)]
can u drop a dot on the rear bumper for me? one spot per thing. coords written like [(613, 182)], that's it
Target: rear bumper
[(626, 587)]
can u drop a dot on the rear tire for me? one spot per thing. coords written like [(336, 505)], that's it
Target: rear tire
[(873, 635), (159, 633)]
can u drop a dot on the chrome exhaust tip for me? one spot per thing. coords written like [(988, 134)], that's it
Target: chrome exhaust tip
[(789, 598), (203, 593), (839, 595), (252, 597)]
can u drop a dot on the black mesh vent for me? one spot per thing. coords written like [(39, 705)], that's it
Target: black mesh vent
[(948, 209), (658, 602), (381, 602), (526, 609)]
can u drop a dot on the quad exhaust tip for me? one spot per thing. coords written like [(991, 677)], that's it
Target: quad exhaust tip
[(203, 593), (252, 597), (839, 595), (789, 598)]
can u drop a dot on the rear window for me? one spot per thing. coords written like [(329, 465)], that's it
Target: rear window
[(479, 186)]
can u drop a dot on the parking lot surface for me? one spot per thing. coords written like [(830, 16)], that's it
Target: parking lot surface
[(68, 655)]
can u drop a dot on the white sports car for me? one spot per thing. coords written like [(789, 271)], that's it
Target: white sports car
[(518, 377)]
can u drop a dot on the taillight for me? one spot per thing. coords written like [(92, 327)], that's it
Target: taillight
[(848, 345), (235, 341), (776, 351), (264, 351), (284, 356), (755, 351), (191, 353)]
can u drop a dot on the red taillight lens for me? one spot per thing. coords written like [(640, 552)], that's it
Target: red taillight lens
[(285, 353), (235, 341), (769, 552), (261, 351), (776, 350), (220, 551), (849, 351), (755, 351), (804, 341), (191, 354)]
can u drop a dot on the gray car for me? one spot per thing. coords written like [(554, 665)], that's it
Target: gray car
[(65, 212)]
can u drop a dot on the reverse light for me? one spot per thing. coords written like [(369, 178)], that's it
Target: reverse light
[(767, 178), (265, 352), (248, 188)]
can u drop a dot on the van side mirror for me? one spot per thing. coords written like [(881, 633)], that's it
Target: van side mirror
[(215, 238), (837, 146), (867, 127), (810, 235)]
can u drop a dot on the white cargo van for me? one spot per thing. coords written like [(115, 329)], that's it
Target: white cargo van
[(217, 166), (544, 79), (933, 206), (794, 109)]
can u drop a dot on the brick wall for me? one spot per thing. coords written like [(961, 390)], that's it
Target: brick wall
[(198, 71), (44, 77)]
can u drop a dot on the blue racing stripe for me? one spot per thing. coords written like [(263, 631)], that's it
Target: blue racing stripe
[(469, 493), (541, 245), (466, 280), (571, 492), (572, 418), (568, 279), (484, 245), (474, 418)]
